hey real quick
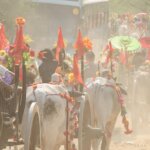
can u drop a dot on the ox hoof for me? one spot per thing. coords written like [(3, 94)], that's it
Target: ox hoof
[(93, 133)]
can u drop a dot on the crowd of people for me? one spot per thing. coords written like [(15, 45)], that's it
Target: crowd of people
[(130, 24), (44, 67), (49, 69)]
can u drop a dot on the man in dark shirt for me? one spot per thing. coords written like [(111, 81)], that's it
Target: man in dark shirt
[(48, 66)]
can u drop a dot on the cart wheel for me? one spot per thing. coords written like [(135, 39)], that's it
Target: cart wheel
[(84, 141), (1, 125), (33, 133)]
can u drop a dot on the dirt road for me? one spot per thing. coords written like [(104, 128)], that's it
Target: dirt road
[(120, 141), (141, 142)]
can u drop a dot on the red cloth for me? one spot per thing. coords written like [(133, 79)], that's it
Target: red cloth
[(60, 44), (145, 42), (110, 52), (76, 70), (3, 40), (19, 41), (123, 58), (19, 45), (79, 45)]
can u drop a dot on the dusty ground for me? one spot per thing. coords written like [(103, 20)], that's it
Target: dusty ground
[(138, 140), (120, 141), (141, 142)]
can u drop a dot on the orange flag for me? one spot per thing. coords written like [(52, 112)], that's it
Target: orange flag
[(60, 44), (76, 70), (3, 40), (19, 45), (79, 45), (19, 41)]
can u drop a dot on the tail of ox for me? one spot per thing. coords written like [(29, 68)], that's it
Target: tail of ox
[(52, 114), (104, 108)]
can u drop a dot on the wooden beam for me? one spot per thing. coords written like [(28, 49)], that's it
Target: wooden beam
[(75, 3)]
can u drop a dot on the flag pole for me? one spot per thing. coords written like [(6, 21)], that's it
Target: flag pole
[(82, 72), (98, 67), (111, 60)]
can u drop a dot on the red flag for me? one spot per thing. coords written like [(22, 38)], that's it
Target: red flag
[(110, 52), (79, 45), (19, 41), (3, 40), (123, 58), (145, 42), (76, 70), (19, 45), (60, 44), (110, 48)]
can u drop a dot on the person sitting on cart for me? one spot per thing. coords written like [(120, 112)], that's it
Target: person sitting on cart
[(56, 77), (48, 66)]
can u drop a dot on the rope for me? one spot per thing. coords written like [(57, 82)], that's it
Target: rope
[(123, 109)]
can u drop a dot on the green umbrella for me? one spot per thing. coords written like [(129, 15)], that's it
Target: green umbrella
[(125, 43)]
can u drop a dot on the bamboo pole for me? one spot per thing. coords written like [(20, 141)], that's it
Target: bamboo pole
[(82, 72)]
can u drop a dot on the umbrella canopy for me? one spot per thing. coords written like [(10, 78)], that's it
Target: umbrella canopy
[(125, 43), (145, 42), (141, 14)]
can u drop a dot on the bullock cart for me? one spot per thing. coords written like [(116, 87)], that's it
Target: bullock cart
[(20, 121)]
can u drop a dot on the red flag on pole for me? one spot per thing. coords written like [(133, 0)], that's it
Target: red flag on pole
[(19, 45), (19, 42), (76, 70), (110, 52), (3, 40), (145, 42), (111, 48), (60, 44), (79, 45)]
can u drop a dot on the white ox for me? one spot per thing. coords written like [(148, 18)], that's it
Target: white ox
[(104, 107), (52, 111), (52, 115)]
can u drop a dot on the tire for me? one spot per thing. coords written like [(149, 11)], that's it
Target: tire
[(33, 133), (84, 143), (1, 125)]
